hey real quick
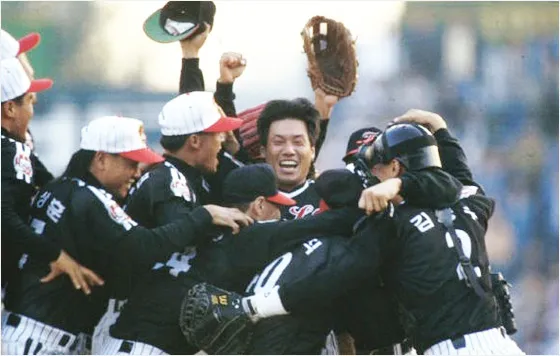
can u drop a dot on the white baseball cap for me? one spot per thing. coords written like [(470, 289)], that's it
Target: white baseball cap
[(195, 112), (16, 82), (10, 47), (122, 135)]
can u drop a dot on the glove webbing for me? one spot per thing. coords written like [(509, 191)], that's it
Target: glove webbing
[(446, 218)]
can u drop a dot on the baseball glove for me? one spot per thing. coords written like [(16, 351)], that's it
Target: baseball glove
[(213, 320), (249, 134), (331, 56)]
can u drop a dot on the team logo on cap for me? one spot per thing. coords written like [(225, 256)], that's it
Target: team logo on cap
[(367, 137)]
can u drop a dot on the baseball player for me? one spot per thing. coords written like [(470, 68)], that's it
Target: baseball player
[(437, 260), (47, 318), (148, 323), (22, 174)]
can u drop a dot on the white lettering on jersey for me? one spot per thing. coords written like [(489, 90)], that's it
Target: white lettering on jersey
[(470, 213), (43, 199), (267, 280), (55, 210), (179, 262), (467, 191), (37, 225), (22, 162), (466, 246), (422, 222), (311, 246), (301, 212), (115, 211)]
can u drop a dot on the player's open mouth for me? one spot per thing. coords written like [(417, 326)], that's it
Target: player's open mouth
[(288, 165)]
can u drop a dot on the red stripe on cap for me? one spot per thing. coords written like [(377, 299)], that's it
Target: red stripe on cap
[(281, 199), (144, 155), (38, 85), (225, 124), (28, 42)]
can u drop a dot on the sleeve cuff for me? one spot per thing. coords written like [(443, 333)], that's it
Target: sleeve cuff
[(443, 134), (225, 90), (191, 63)]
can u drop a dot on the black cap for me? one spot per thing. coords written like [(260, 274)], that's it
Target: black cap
[(245, 184), (360, 137), (339, 188), (178, 20)]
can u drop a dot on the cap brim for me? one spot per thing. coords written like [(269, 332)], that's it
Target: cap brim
[(28, 42), (38, 85), (323, 206), (350, 153), (153, 30), (225, 124), (281, 199), (144, 155)]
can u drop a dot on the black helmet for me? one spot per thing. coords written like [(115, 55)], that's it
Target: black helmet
[(411, 144)]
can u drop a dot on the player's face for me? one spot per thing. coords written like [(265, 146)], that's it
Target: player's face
[(270, 211), (20, 114), (385, 171), (210, 146), (119, 174), (289, 152)]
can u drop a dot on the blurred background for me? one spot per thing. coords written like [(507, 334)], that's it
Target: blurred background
[(489, 68)]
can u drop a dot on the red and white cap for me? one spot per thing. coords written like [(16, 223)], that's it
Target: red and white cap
[(10, 47), (195, 112), (16, 82), (122, 135)]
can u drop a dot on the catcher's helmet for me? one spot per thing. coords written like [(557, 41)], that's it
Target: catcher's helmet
[(411, 144)]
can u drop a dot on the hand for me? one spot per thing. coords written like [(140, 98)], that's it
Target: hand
[(81, 277), (430, 120), (231, 217), (232, 66), (230, 144), (191, 45), (377, 197), (324, 103)]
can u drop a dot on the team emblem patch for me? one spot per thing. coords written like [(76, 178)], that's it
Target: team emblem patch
[(23, 167)]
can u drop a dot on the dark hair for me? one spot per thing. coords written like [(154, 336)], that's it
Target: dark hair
[(299, 109), (18, 100), (79, 164), (173, 143)]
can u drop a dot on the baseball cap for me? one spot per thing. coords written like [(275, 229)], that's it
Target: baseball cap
[(245, 184), (195, 112), (16, 82), (338, 188), (178, 20), (10, 47), (122, 135), (358, 138)]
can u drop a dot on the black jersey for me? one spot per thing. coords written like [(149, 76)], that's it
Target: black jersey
[(22, 175), (417, 250), (84, 219), (307, 201), (301, 334), (228, 261)]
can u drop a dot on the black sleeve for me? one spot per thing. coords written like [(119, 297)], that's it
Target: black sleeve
[(224, 97), (453, 158), (266, 241), (358, 265), (191, 76), (323, 126), (15, 232), (430, 188), (120, 237)]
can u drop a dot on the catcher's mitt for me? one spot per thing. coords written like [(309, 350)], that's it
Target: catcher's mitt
[(249, 134), (331, 56), (213, 320)]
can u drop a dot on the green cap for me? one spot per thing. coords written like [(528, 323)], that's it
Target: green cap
[(178, 20)]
